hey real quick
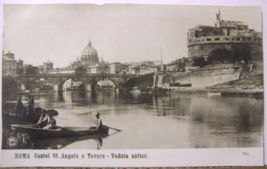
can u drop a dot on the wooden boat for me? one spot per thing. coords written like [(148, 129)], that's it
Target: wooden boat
[(24, 92), (57, 132), (214, 93), (185, 85), (159, 90)]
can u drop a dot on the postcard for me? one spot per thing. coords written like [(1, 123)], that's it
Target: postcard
[(132, 85)]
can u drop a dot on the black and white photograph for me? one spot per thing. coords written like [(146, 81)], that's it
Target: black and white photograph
[(112, 81)]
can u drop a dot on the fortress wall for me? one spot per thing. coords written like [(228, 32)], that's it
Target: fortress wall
[(203, 49)]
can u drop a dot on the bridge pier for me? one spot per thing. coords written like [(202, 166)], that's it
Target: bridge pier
[(22, 87), (88, 87), (57, 88)]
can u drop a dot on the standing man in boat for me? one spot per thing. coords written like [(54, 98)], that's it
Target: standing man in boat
[(30, 106), (98, 122), (32, 101), (19, 107)]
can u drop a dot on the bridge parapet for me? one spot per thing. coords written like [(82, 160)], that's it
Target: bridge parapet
[(75, 75), (89, 80)]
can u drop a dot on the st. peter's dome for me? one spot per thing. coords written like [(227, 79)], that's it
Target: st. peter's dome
[(89, 55)]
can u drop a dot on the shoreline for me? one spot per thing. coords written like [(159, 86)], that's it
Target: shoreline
[(223, 91)]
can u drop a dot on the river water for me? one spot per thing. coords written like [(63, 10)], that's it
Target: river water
[(150, 121)]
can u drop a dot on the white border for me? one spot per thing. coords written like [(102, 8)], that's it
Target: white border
[(157, 158)]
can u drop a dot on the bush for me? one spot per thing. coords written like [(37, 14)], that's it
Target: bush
[(199, 61), (237, 53)]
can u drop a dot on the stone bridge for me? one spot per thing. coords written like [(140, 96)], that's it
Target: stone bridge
[(89, 80)]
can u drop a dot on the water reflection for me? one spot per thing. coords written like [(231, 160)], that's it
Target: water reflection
[(160, 121), (60, 143)]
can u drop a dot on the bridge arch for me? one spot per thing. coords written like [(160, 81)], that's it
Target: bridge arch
[(20, 84), (106, 78), (25, 84), (63, 81)]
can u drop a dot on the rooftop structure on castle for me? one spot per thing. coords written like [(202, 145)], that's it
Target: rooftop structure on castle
[(202, 39)]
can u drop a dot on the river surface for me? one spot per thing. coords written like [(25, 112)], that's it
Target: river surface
[(150, 121)]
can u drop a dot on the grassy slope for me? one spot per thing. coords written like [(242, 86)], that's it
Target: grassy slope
[(251, 83)]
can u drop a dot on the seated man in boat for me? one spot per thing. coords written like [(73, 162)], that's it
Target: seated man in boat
[(51, 122), (42, 121), (98, 122)]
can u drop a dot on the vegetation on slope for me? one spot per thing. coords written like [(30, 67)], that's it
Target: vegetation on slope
[(250, 83), (142, 81)]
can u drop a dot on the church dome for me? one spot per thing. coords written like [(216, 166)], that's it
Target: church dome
[(76, 63), (48, 62), (89, 55)]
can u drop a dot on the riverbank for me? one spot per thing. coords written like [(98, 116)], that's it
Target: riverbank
[(245, 86)]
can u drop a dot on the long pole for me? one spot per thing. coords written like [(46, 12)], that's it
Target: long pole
[(114, 128), (161, 55)]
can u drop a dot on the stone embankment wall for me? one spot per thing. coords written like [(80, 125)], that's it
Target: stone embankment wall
[(250, 83), (210, 75), (203, 77)]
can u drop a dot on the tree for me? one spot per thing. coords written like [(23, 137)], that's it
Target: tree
[(30, 84), (241, 52), (20, 71), (31, 70), (9, 86), (237, 53), (199, 61), (137, 69), (220, 55)]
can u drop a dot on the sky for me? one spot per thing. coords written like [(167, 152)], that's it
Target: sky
[(119, 32)]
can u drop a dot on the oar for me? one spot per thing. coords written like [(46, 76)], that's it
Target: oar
[(114, 128)]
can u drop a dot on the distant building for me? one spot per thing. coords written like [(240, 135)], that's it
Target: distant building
[(9, 64), (20, 67), (114, 67), (101, 68), (76, 63), (179, 65), (8, 55), (48, 65), (148, 70), (41, 69), (201, 40), (163, 67), (172, 66)]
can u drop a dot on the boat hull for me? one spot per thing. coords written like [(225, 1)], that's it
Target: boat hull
[(39, 133)]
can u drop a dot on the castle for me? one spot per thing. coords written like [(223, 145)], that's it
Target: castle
[(201, 40)]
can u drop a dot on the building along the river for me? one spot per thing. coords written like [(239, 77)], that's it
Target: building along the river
[(201, 40), (9, 64)]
